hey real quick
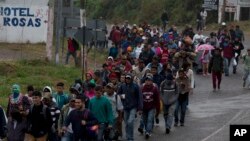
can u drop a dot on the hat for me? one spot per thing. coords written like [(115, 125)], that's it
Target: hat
[(223, 23), (112, 75), (111, 85), (134, 25), (129, 49), (91, 73), (16, 88), (47, 95), (47, 89), (149, 77), (110, 57), (128, 76), (169, 77), (76, 88)]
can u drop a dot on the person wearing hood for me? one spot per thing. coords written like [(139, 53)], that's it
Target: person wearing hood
[(151, 104), (18, 101), (169, 93), (54, 111), (216, 68), (89, 79)]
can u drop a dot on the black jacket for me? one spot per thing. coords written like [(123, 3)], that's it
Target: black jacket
[(2, 123), (40, 121)]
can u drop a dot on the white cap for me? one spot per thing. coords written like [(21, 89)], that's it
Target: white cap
[(223, 23), (110, 57)]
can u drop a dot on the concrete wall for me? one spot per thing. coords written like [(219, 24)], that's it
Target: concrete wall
[(236, 3), (23, 21)]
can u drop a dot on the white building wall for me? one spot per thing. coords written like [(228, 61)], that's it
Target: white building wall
[(23, 21)]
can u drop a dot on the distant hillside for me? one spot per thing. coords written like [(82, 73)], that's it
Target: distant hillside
[(180, 11)]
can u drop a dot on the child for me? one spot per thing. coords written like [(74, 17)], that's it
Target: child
[(205, 61)]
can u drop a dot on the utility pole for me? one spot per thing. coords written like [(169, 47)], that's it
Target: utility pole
[(58, 28), (223, 16), (50, 30), (83, 48)]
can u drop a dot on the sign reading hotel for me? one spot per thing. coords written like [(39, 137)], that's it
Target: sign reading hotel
[(22, 24)]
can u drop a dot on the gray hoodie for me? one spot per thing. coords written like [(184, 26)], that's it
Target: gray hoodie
[(169, 93)]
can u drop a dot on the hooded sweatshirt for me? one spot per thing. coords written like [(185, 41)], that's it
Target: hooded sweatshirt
[(151, 98), (169, 92)]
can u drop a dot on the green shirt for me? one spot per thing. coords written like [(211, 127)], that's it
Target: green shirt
[(61, 99), (102, 109)]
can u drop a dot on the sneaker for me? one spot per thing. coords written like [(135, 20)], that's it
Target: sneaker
[(167, 131), (147, 135), (182, 124), (175, 124), (140, 130)]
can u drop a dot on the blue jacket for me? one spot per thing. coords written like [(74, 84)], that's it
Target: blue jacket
[(133, 96)]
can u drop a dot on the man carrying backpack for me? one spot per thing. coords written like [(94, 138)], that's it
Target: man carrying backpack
[(39, 118)]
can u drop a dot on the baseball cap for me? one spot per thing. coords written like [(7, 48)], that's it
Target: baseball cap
[(111, 85), (149, 77), (128, 76)]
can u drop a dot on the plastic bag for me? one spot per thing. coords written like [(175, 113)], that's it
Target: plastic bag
[(234, 62)]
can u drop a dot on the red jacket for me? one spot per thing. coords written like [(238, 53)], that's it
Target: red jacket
[(116, 36), (228, 51)]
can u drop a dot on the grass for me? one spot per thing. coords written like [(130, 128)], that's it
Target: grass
[(33, 72)]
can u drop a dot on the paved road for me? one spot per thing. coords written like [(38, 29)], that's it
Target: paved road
[(210, 113)]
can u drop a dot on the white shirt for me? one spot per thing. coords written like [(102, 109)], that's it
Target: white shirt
[(204, 15), (116, 105), (190, 75), (137, 52)]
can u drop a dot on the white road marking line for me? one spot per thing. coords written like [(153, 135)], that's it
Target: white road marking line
[(228, 123)]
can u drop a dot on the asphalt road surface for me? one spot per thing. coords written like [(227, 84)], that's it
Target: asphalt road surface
[(209, 113)]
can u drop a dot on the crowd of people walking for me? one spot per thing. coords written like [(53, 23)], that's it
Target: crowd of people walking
[(147, 72)]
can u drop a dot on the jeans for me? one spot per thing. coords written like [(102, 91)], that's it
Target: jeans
[(102, 128), (148, 118), (227, 62), (142, 125), (67, 137), (182, 106), (168, 111), (68, 55), (129, 118), (246, 74)]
